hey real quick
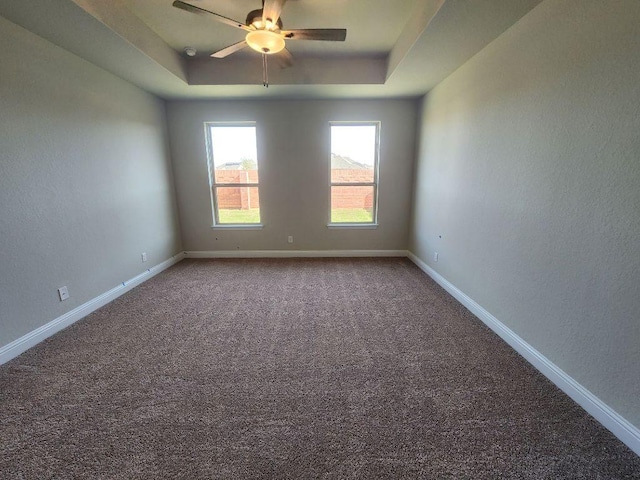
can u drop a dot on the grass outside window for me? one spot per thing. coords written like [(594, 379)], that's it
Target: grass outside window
[(351, 215), (235, 216)]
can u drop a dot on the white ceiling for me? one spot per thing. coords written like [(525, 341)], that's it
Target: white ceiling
[(393, 48), (180, 29)]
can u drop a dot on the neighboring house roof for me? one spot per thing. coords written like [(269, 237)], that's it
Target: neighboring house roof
[(346, 163), (229, 166)]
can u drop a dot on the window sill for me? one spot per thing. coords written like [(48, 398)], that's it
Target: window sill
[(363, 226), (253, 226)]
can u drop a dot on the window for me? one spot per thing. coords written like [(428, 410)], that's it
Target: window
[(233, 173), (354, 172)]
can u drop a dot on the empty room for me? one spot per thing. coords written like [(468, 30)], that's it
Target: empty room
[(320, 239)]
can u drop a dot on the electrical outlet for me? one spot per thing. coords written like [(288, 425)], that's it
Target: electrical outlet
[(435, 256), (290, 239), (144, 257), (63, 293)]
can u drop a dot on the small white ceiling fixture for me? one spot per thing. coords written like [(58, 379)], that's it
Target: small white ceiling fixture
[(190, 51)]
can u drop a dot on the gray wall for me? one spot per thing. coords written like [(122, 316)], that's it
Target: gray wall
[(85, 181), (293, 145), (529, 168)]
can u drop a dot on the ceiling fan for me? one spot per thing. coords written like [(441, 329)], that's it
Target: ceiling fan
[(265, 34)]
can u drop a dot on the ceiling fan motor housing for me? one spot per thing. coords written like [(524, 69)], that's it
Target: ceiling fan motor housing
[(255, 18)]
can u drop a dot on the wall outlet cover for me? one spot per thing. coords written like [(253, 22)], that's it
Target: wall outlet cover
[(63, 293)]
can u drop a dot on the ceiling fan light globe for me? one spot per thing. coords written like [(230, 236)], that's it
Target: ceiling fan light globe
[(264, 41)]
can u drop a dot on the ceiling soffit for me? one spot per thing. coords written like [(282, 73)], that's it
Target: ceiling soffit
[(430, 39), (351, 66)]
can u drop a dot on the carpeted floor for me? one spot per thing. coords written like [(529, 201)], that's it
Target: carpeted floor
[(291, 369)]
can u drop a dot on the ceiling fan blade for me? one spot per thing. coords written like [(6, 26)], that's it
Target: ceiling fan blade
[(271, 10), (201, 11), (329, 34), (284, 58), (226, 51)]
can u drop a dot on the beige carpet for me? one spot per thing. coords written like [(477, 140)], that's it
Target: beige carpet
[(296, 369)]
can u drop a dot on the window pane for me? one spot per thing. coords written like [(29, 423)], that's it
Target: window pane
[(353, 153), (352, 204), (238, 204), (234, 154)]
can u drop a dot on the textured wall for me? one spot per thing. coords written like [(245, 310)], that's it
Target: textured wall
[(528, 168), (293, 154), (85, 182)]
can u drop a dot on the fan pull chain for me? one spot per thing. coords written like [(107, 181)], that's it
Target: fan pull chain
[(265, 72)]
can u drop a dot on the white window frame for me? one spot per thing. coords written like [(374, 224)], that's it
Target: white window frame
[(376, 176), (213, 185)]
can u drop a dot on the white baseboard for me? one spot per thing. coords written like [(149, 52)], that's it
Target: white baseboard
[(36, 336), (294, 253), (613, 421)]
